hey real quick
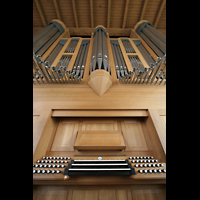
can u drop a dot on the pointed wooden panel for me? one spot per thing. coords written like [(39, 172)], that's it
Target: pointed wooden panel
[(100, 81)]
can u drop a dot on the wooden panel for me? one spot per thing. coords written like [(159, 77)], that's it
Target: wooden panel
[(65, 136), (48, 10), (83, 13), (99, 113), (117, 13), (85, 194), (51, 195), (37, 22), (129, 192), (88, 31), (99, 140), (133, 135), (100, 13), (164, 119), (126, 192), (60, 96), (134, 11), (35, 117), (107, 194), (121, 195), (97, 125), (43, 133), (151, 10), (66, 12), (160, 127), (100, 10), (162, 21)]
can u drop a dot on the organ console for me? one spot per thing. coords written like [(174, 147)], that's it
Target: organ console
[(99, 149), (99, 60)]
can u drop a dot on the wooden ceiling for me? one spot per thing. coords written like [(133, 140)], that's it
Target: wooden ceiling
[(118, 14)]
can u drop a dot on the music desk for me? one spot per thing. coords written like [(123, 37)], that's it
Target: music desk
[(99, 140)]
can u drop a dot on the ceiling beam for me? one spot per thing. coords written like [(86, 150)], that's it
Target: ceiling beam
[(87, 32), (57, 10), (108, 17), (40, 12), (159, 13), (75, 14), (91, 13), (125, 14), (143, 9)]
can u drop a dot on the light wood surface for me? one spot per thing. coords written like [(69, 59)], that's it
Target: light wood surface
[(83, 97), (113, 14), (99, 140), (65, 136), (134, 135), (126, 192), (100, 113)]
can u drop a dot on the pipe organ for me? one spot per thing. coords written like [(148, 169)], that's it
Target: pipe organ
[(97, 146), (61, 59)]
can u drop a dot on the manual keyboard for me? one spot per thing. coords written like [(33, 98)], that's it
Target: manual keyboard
[(137, 167)]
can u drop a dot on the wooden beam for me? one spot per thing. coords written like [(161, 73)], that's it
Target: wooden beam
[(57, 10), (108, 18), (75, 14), (87, 32), (125, 14), (91, 13), (143, 9), (40, 12), (159, 13)]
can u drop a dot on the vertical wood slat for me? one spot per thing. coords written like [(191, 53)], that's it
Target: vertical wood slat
[(125, 13), (40, 12), (108, 17), (56, 8), (143, 9), (75, 14), (159, 13), (91, 13)]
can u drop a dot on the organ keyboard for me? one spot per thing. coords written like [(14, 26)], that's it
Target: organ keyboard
[(137, 167)]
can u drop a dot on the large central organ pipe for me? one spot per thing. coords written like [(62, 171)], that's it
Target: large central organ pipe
[(100, 57)]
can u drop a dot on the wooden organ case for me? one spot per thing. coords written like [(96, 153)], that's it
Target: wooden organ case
[(92, 146)]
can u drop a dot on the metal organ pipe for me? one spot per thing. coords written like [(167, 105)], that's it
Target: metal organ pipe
[(100, 57)]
